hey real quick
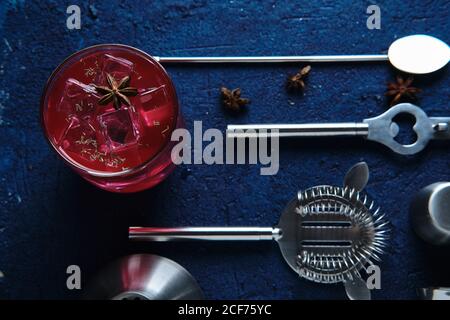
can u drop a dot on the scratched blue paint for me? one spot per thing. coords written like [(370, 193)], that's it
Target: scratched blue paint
[(50, 218)]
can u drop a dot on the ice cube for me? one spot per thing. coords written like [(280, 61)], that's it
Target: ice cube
[(115, 66), (75, 88), (120, 128), (80, 138), (78, 99), (152, 99)]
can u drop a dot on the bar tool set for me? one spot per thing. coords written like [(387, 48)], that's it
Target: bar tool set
[(327, 234)]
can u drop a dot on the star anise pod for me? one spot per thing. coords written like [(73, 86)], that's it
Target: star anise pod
[(232, 99), (117, 92), (402, 90), (297, 81)]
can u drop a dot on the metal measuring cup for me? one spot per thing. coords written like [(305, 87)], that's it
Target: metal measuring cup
[(430, 213)]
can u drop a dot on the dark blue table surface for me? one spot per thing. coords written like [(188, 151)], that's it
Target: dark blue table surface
[(51, 218)]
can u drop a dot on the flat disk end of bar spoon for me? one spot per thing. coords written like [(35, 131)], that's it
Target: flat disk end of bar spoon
[(419, 54)]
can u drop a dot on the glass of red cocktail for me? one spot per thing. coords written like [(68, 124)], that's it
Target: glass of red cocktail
[(109, 111)]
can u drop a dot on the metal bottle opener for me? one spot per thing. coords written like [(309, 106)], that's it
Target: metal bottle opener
[(381, 129)]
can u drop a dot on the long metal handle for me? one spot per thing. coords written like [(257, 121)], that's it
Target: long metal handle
[(298, 130), (204, 233), (275, 59)]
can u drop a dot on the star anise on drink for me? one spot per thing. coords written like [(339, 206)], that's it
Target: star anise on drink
[(232, 99), (117, 92), (401, 90), (297, 81)]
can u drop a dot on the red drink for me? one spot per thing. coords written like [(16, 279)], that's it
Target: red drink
[(117, 147)]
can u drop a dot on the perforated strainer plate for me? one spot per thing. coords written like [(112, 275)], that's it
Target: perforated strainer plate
[(336, 230)]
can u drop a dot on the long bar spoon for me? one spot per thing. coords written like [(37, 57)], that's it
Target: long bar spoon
[(416, 54)]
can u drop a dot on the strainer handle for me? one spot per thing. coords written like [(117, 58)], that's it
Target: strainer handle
[(204, 233)]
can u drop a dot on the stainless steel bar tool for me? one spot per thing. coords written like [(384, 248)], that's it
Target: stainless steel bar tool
[(381, 129), (417, 54), (326, 234), (430, 213), (143, 277), (434, 293)]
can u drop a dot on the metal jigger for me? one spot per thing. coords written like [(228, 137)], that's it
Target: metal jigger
[(430, 214), (144, 277), (434, 293)]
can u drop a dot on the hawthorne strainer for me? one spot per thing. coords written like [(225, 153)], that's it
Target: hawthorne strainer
[(327, 234)]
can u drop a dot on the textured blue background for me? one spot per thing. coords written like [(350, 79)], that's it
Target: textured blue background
[(50, 217)]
